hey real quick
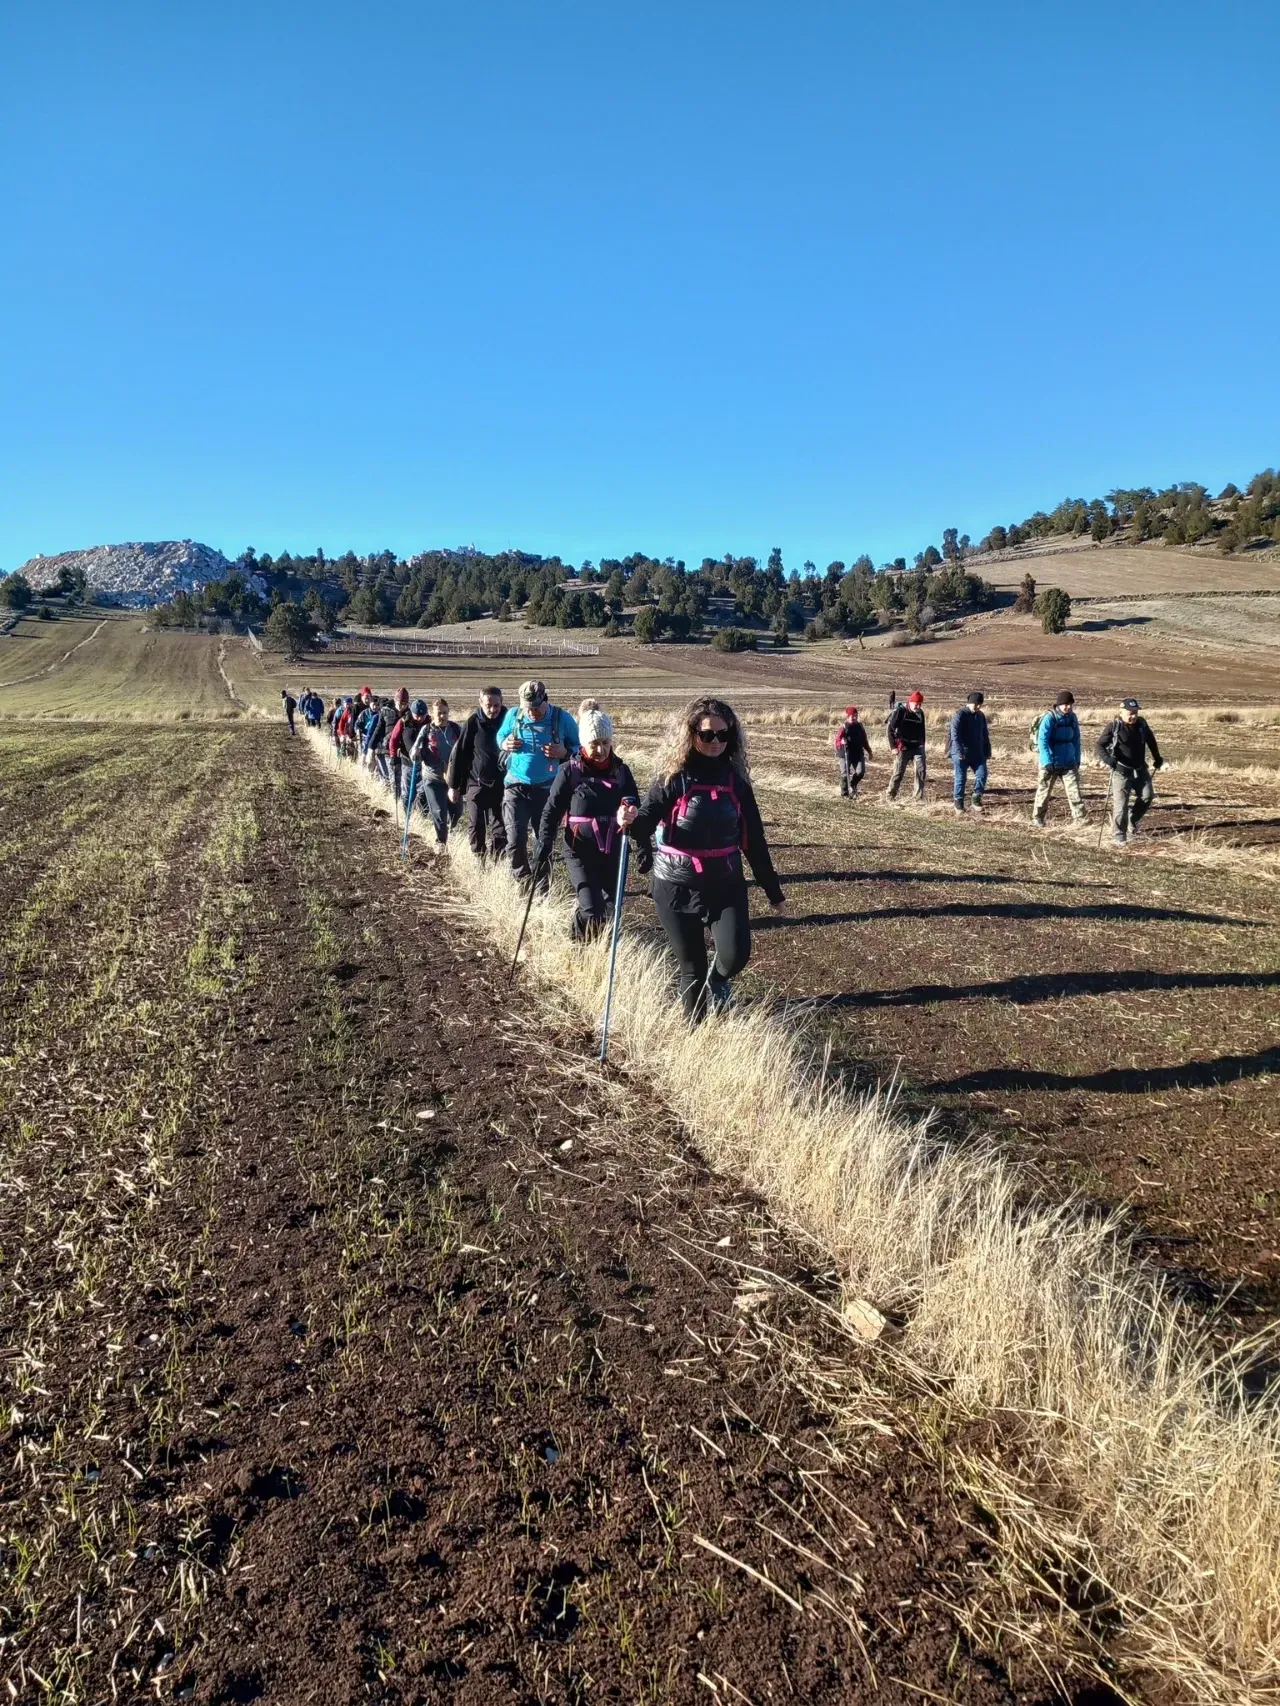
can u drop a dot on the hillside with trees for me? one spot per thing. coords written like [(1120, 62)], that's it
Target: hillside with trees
[(664, 598)]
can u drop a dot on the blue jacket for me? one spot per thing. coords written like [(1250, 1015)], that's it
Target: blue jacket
[(1058, 741), (528, 764), (970, 739)]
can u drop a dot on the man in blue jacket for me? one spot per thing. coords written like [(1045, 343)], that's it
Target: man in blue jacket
[(1058, 749), (534, 739), (970, 750)]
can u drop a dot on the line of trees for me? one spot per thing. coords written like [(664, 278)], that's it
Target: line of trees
[(670, 600), (1182, 514)]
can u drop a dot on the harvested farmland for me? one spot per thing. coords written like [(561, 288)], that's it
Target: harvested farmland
[(364, 1342)]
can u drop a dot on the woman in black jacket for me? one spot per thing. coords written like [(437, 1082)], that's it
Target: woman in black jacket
[(593, 791), (702, 815)]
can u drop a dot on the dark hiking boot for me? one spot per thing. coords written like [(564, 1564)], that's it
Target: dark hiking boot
[(721, 994), (976, 802)]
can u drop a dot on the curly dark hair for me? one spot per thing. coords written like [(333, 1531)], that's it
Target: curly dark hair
[(678, 742)]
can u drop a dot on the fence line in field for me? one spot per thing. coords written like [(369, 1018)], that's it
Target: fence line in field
[(350, 643)]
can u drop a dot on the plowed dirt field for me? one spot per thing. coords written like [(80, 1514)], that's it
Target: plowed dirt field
[(364, 1342)]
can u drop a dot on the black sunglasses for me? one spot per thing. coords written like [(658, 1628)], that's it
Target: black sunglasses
[(710, 736)]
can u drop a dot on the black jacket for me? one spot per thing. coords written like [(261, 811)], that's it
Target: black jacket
[(475, 757), (579, 791), (673, 865), (853, 740), (1127, 747), (906, 728)]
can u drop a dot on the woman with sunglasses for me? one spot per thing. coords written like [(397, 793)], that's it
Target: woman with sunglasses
[(702, 816)]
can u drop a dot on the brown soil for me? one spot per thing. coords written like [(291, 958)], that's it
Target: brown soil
[(369, 1344), (1113, 1019)]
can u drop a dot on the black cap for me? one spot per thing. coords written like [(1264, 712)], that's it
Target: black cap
[(1130, 705), (975, 698), (1066, 697)]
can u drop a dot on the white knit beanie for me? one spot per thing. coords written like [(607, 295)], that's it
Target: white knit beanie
[(594, 725)]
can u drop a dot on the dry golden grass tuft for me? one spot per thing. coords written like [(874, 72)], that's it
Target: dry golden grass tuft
[(1143, 1467)]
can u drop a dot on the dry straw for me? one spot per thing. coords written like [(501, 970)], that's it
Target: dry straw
[(1142, 1463)]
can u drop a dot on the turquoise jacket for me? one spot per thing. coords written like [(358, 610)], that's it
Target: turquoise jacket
[(528, 764), (1058, 741)]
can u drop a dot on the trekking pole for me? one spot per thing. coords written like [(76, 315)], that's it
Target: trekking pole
[(623, 857), (408, 810), (524, 922)]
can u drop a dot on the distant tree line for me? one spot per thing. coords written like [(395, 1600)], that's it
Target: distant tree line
[(1183, 514), (662, 598)]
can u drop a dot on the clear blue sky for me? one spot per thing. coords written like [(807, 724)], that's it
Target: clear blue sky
[(681, 277)]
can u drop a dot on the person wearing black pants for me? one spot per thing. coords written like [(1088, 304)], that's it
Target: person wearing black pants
[(588, 792), (702, 816), (475, 778), (432, 751)]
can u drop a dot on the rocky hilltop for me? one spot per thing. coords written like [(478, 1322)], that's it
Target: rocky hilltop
[(135, 573)]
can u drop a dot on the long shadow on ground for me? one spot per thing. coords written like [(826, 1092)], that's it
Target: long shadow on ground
[(1048, 986)]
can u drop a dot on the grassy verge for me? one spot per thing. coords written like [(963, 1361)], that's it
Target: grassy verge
[(1143, 1469)]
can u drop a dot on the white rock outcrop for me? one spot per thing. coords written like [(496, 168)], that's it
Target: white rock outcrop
[(138, 574)]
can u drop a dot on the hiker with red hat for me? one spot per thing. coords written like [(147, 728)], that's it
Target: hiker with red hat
[(906, 737), (853, 750)]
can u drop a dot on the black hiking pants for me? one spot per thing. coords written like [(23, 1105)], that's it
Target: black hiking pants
[(435, 795), (688, 911), (523, 804), (484, 819), (594, 876)]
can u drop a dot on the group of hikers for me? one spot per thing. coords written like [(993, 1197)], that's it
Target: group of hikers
[(1122, 746), (532, 774)]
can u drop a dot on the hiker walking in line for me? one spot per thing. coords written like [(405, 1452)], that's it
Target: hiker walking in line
[(432, 750), (906, 737), (391, 767), (400, 742), (592, 794), (342, 728), (702, 814), (534, 739), (1057, 739), (1123, 746), (970, 748), (474, 776), (290, 706), (853, 752), (367, 718)]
